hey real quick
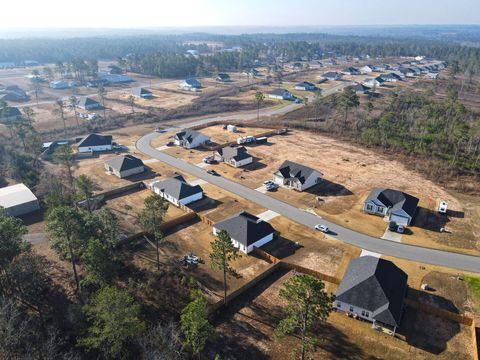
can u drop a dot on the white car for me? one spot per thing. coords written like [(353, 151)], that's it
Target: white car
[(322, 228)]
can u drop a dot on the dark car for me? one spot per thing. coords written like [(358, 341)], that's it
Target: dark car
[(392, 226), (213, 172)]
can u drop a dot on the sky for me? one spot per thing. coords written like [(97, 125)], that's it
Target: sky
[(183, 13)]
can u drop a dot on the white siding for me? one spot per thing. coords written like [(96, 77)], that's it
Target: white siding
[(83, 149), (241, 162), (192, 198), (311, 181), (243, 248), (354, 310)]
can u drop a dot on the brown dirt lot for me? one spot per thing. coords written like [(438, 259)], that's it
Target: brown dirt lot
[(247, 331), (350, 172)]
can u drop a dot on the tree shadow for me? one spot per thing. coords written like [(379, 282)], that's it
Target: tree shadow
[(430, 220), (281, 247), (146, 175), (206, 203), (328, 188)]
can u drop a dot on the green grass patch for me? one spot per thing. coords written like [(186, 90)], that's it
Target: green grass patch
[(474, 287)]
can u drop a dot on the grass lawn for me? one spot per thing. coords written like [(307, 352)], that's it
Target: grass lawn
[(474, 287)]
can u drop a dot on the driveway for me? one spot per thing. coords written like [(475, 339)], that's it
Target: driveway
[(385, 247)]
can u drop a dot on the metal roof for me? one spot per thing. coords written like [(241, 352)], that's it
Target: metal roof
[(14, 195)]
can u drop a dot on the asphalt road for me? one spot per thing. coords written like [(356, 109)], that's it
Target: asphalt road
[(385, 247)]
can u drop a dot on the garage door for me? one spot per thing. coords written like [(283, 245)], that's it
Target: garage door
[(400, 220)]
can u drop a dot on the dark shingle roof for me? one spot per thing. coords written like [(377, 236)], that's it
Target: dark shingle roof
[(360, 88), (305, 84), (141, 92), (124, 162), (236, 153), (177, 187), (95, 140), (289, 169), (86, 101), (223, 76), (330, 74), (188, 135), (279, 92), (395, 200), (245, 228), (376, 285), (193, 83)]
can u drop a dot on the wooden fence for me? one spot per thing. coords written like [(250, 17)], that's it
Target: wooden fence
[(135, 186)]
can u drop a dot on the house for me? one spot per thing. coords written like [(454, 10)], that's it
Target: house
[(252, 72), (190, 84), (115, 78), (246, 231), (124, 165), (114, 69), (58, 85), (141, 93), (96, 83), (432, 75), (9, 114), (407, 71), (18, 200), (378, 81), (13, 93), (296, 176), (360, 89), (177, 191), (351, 71), (332, 76), (87, 103), (222, 77), (397, 205), (374, 290), (50, 147), (367, 69), (305, 86), (95, 142), (190, 139), (234, 156), (390, 77), (281, 94)]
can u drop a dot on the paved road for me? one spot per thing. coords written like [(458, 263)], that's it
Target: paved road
[(404, 251)]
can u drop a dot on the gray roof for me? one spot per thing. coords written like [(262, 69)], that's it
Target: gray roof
[(95, 140), (86, 101), (193, 83), (124, 162), (279, 92), (15, 195), (289, 170), (245, 228), (223, 76), (376, 285), (305, 84), (331, 74), (394, 199), (390, 76), (9, 111), (140, 92), (360, 88), (235, 153), (188, 135), (177, 187)]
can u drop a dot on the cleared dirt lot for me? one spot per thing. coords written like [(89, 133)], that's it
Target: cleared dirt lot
[(350, 172), (247, 331)]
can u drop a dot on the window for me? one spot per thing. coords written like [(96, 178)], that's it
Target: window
[(363, 312), (370, 207), (339, 304), (351, 309), (380, 209), (367, 314)]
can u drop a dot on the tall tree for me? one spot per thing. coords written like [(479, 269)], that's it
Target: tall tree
[(259, 99), (307, 305), (84, 187), (63, 155), (131, 102), (60, 110), (64, 225), (222, 254), (98, 263), (151, 218), (115, 322), (194, 322), (29, 114), (73, 104), (102, 93), (348, 100)]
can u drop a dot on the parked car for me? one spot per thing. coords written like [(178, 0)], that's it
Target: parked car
[(213, 172), (322, 228), (392, 226), (401, 229), (298, 101), (209, 160), (170, 143)]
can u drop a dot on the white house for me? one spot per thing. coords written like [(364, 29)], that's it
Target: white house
[(18, 200), (95, 142), (124, 165), (246, 231), (234, 156), (177, 191), (280, 94), (87, 103), (378, 81), (367, 69), (141, 93), (332, 76), (351, 71), (397, 205), (374, 290), (190, 84), (305, 86), (190, 139), (59, 84), (295, 176)]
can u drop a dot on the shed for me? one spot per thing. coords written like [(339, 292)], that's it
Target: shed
[(18, 200)]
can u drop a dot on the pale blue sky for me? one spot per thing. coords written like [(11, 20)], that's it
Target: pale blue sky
[(168, 13)]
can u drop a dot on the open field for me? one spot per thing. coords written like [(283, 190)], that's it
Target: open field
[(247, 329)]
